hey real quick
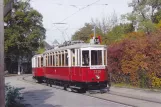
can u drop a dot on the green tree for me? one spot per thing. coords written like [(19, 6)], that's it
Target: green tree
[(85, 33), (143, 13), (117, 33), (24, 32), (157, 17)]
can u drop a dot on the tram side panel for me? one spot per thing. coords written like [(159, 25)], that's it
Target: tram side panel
[(38, 72), (57, 73), (85, 74), (76, 75), (97, 75)]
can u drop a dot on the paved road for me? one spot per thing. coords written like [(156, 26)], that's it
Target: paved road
[(42, 96), (134, 97)]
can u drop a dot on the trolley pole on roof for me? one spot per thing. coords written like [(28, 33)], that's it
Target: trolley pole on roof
[(2, 90), (94, 31)]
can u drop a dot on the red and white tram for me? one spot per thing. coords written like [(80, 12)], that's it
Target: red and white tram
[(78, 66), (37, 67)]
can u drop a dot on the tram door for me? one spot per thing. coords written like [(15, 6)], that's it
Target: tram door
[(85, 65), (75, 70)]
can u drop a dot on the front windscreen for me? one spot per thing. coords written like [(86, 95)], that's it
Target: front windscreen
[(96, 57)]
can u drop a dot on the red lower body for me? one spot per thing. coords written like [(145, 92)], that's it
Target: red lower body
[(73, 76)]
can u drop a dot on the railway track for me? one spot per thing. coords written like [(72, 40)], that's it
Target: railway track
[(109, 96)]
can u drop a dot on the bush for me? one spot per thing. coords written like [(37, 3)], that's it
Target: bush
[(12, 96), (136, 60)]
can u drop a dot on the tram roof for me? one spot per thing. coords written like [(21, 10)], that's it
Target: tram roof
[(76, 46), (38, 55)]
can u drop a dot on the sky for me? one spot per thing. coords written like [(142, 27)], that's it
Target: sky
[(74, 14)]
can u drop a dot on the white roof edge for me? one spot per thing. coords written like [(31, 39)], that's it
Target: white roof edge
[(75, 46)]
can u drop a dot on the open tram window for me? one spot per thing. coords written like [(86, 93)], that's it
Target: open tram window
[(96, 57), (38, 60), (85, 58), (105, 57), (57, 59), (53, 59), (62, 58), (41, 61), (66, 58), (73, 57), (50, 59), (46, 60)]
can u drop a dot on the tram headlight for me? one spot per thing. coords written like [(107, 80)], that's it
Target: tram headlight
[(98, 77)]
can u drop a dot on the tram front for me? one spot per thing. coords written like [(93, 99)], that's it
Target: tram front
[(95, 57)]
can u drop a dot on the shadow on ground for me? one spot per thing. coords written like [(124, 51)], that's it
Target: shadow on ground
[(37, 98)]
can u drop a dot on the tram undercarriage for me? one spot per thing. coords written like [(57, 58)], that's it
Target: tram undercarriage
[(78, 86)]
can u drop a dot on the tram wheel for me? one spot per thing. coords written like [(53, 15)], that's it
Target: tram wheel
[(39, 80), (81, 91), (50, 83), (65, 87), (46, 82)]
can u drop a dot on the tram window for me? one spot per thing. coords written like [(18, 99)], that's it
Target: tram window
[(53, 59), (59, 59), (73, 57), (77, 57), (63, 59), (41, 61), (85, 58), (105, 57), (50, 59), (66, 59), (38, 61), (96, 57), (46, 60)]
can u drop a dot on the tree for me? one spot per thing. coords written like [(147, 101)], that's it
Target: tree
[(143, 13), (85, 32), (106, 23), (118, 32), (24, 32), (157, 17)]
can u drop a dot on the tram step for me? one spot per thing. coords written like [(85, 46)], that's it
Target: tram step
[(75, 87)]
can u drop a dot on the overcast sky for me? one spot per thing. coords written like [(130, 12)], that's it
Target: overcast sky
[(55, 11)]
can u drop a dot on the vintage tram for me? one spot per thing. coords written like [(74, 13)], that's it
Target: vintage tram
[(77, 66)]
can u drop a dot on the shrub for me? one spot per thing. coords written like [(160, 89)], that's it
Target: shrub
[(136, 60), (12, 96)]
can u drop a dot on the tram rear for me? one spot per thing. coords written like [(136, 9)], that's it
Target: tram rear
[(37, 67)]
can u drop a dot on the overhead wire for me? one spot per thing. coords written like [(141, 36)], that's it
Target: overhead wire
[(79, 10), (75, 6), (61, 32)]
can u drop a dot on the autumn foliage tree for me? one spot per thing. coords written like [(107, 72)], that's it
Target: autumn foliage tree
[(136, 60)]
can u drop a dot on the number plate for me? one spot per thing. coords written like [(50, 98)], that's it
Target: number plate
[(97, 67)]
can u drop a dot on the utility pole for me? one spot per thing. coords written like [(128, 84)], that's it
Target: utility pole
[(2, 90)]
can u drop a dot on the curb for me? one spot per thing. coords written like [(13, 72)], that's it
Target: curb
[(142, 89), (10, 75)]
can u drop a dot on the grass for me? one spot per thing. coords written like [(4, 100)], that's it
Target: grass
[(123, 85)]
